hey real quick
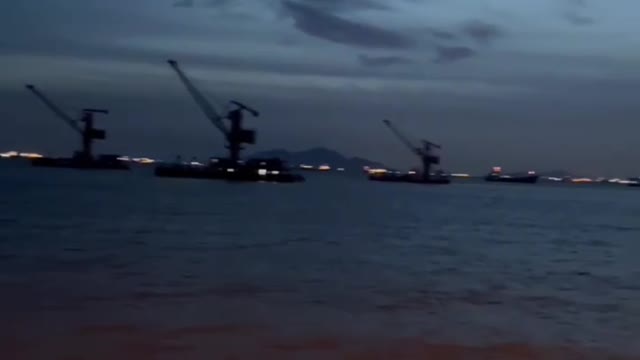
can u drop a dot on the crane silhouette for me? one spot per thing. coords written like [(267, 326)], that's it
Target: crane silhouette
[(427, 158), (88, 133), (234, 134)]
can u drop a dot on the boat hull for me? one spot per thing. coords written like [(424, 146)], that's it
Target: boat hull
[(410, 179), (214, 173), (528, 179), (73, 163)]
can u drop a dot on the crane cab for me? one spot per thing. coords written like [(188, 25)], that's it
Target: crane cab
[(247, 136), (432, 159), (98, 134)]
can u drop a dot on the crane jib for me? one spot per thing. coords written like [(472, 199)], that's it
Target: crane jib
[(424, 153), (54, 108), (206, 107)]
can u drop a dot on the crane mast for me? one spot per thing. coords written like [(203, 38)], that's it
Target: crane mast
[(424, 153), (235, 134), (88, 133)]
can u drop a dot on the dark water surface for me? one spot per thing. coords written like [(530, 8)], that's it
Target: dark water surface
[(128, 266)]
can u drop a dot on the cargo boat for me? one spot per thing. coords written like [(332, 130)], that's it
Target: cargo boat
[(253, 170), (436, 179), (232, 167), (426, 156), (102, 162), (83, 158)]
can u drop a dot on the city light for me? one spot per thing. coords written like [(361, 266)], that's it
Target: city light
[(16, 154)]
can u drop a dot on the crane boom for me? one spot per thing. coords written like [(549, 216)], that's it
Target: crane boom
[(98, 111), (242, 106), (53, 107), (402, 138), (202, 102), (429, 143)]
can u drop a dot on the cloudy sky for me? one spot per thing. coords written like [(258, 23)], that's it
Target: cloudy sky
[(526, 84)]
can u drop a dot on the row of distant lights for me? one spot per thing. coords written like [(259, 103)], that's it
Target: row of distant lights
[(599, 180), (145, 160), (139, 160), (374, 171), (261, 172), (264, 172), (320, 168), (582, 180), (498, 170), (15, 154)]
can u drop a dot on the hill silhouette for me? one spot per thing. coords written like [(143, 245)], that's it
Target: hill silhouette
[(319, 156)]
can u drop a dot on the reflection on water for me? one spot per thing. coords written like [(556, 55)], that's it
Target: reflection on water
[(245, 342), (133, 267)]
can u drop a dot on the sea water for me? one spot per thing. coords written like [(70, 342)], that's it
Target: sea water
[(124, 265)]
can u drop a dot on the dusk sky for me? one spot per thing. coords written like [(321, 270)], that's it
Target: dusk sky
[(526, 84)]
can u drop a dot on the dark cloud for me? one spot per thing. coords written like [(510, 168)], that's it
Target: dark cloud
[(205, 3), (218, 2), (580, 20), (382, 61), (346, 5), (449, 54), (324, 25), (184, 3), (575, 13), (578, 3), (482, 32), (479, 31), (443, 34), (520, 106)]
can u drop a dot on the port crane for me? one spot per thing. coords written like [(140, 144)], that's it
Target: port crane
[(234, 134), (424, 152), (88, 133)]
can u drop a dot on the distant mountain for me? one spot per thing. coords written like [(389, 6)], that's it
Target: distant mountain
[(317, 157)]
